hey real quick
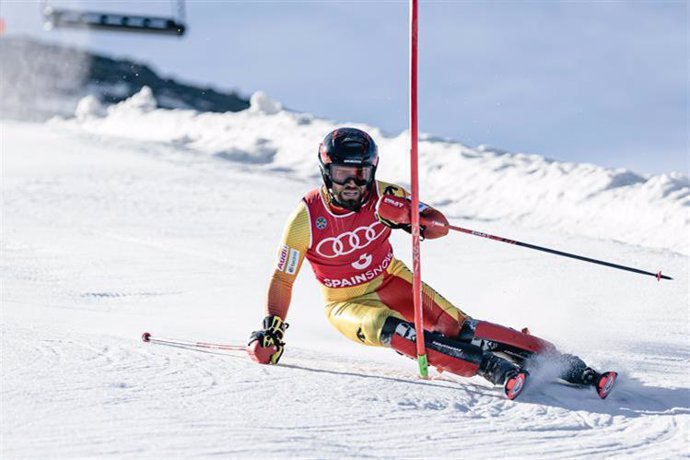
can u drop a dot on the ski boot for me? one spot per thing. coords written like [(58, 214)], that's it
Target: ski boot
[(500, 371), (577, 372)]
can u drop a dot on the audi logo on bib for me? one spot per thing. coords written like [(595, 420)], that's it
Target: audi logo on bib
[(348, 242)]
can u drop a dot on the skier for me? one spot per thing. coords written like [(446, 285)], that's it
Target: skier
[(343, 229)]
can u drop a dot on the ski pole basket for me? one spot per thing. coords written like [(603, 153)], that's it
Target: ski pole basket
[(116, 22)]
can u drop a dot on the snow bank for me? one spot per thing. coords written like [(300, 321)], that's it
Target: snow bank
[(469, 183)]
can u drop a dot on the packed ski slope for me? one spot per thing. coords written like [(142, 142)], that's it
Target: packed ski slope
[(137, 219)]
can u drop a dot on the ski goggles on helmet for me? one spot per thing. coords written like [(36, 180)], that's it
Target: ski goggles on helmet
[(341, 174)]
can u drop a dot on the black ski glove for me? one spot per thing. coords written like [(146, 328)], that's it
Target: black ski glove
[(267, 345)]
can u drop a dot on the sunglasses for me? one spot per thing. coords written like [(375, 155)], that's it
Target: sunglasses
[(341, 175)]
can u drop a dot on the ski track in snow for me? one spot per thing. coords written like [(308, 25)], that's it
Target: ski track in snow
[(144, 399), (103, 239)]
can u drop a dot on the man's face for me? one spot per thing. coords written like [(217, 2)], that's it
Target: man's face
[(350, 195), (350, 184)]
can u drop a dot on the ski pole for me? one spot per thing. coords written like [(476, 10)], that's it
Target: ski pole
[(146, 337), (657, 275)]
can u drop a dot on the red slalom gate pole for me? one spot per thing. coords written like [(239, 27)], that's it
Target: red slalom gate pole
[(414, 170), (146, 337)]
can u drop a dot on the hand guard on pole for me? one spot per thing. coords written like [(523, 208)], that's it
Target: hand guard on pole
[(395, 212), (267, 345)]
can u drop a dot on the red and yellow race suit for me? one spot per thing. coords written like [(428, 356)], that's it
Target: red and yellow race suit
[(363, 284)]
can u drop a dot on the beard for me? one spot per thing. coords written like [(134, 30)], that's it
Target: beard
[(349, 200), (351, 205)]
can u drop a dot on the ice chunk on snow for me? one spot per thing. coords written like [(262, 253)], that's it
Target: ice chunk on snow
[(89, 107), (260, 102), (143, 101)]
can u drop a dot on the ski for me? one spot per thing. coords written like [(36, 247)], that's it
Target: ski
[(513, 387)]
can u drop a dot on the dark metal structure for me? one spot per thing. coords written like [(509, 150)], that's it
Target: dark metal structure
[(116, 22)]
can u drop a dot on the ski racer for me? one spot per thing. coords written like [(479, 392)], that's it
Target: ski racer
[(343, 230)]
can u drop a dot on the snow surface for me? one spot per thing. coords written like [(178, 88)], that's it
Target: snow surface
[(132, 219)]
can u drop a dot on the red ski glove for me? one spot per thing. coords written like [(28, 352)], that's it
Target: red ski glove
[(266, 346), (395, 212), (434, 222)]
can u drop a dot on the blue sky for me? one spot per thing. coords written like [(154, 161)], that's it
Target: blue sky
[(603, 82)]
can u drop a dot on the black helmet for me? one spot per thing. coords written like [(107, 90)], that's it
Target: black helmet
[(348, 147)]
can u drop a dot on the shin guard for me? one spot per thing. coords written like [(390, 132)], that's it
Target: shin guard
[(478, 331), (443, 353)]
